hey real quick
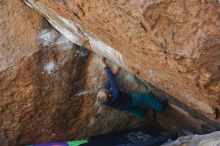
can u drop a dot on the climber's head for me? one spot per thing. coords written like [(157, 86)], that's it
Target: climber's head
[(103, 95)]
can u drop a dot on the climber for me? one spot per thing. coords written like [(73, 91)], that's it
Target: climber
[(111, 95)]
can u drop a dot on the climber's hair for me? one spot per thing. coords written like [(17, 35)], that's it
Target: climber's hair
[(100, 95)]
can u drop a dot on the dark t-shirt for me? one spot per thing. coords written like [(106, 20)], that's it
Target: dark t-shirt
[(119, 100)]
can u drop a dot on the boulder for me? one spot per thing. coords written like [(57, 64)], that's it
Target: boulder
[(48, 84), (48, 80), (173, 44)]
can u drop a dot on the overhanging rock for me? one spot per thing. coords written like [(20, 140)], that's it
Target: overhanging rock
[(77, 34), (167, 43)]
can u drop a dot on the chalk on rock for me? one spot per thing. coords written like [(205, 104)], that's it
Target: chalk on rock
[(64, 43), (50, 67), (48, 37), (81, 52)]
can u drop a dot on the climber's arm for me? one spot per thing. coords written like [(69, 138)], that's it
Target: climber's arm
[(112, 82), (111, 78), (115, 72)]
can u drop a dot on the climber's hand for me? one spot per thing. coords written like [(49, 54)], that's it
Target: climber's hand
[(116, 70), (102, 61)]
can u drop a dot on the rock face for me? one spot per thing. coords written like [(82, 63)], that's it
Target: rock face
[(48, 84), (173, 44)]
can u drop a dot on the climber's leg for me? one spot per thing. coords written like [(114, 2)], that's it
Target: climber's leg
[(140, 98), (137, 112)]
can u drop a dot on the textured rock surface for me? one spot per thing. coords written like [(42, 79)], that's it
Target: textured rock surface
[(20, 25), (174, 44), (48, 85)]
